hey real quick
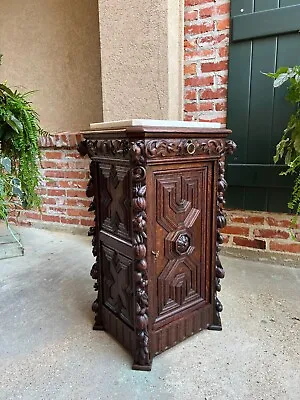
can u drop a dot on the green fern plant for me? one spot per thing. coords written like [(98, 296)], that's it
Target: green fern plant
[(19, 151), (289, 146)]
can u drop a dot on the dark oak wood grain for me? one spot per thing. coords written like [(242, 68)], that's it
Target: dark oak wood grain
[(158, 198)]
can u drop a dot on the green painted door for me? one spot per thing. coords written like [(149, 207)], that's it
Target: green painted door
[(264, 36)]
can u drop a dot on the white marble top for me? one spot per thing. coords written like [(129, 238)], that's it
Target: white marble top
[(154, 123)]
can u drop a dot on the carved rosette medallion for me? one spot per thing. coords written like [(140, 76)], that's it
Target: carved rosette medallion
[(182, 244), (137, 153)]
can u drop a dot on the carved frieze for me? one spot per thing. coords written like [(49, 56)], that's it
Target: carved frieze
[(157, 148), (179, 147), (108, 147)]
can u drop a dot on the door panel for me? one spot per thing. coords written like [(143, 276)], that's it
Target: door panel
[(237, 6), (285, 3), (181, 238), (265, 5), (261, 101), (117, 284), (114, 184), (287, 55), (257, 114)]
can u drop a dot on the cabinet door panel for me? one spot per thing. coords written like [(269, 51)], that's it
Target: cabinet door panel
[(117, 284), (180, 238), (114, 192)]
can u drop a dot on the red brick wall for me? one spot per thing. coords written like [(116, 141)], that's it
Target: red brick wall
[(261, 231), (206, 59), (63, 191)]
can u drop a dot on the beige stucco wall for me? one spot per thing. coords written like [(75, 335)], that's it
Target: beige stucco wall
[(142, 55), (53, 46)]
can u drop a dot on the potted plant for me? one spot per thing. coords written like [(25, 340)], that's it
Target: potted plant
[(289, 146), (19, 152)]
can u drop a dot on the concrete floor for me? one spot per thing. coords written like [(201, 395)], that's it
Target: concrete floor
[(48, 349)]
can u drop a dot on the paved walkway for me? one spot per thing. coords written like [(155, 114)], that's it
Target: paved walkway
[(49, 351)]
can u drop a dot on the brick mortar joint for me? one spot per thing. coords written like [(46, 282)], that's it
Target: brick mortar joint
[(215, 17), (252, 227), (212, 3), (214, 32)]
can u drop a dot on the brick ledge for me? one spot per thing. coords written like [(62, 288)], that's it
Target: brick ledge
[(275, 258), (63, 140)]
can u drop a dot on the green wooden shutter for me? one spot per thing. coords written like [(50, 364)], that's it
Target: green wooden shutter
[(264, 36)]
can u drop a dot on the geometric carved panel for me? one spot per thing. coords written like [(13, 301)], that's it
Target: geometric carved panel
[(177, 285), (114, 196), (180, 211), (118, 284)]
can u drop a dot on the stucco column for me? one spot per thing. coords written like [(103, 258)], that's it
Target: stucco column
[(142, 58), (51, 46)]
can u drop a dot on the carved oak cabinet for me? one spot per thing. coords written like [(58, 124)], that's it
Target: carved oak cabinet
[(157, 191)]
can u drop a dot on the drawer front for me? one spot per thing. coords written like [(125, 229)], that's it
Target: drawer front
[(180, 245)]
